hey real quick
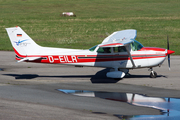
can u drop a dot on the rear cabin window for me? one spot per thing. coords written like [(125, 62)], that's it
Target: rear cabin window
[(119, 49), (104, 50)]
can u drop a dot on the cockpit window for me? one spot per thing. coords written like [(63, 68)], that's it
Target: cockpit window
[(119, 49), (101, 49), (136, 45), (93, 48), (104, 50)]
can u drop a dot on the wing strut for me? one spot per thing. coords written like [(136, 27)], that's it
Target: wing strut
[(132, 61)]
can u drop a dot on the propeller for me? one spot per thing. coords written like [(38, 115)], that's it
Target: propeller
[(168, 50)]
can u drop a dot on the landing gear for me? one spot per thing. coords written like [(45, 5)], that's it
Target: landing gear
[(153, 74)]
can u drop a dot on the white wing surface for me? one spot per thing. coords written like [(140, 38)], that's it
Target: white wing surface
[(119, 38)]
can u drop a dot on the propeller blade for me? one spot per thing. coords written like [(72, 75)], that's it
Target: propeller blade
[(168, 54), (169, 62)]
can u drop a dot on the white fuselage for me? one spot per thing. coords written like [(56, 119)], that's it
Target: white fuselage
[(146, 57)]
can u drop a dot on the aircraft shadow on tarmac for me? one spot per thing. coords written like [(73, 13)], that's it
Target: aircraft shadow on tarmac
[(99, 77)]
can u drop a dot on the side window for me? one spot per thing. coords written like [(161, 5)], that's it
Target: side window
[(115, 49), (104, 50), (136, 45), (119, 49)]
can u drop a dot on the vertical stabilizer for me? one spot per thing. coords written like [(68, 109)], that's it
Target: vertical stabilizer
[(21, 42)]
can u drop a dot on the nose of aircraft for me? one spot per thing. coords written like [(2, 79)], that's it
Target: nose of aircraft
[(170, 52)]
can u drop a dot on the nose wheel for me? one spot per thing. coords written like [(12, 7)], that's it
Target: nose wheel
[(153, 74)]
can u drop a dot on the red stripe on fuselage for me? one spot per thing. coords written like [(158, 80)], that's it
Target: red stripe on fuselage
[(18, 53), (62, 59), (96, 58)]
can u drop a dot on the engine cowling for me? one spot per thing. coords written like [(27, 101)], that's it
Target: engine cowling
[(115, 74)]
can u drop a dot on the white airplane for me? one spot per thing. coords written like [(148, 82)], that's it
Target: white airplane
[(119, 51)]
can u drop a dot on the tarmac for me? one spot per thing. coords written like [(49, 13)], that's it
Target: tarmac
[(29, 90)]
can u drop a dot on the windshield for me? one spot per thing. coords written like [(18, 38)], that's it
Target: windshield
[(93, 48), (136, 45)]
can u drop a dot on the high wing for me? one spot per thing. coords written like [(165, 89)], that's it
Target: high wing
[(130, 33), (119, 38)]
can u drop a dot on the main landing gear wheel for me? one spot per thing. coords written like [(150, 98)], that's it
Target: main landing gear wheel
[(153, 74)]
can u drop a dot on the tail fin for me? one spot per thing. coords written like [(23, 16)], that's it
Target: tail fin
[(23, 45)]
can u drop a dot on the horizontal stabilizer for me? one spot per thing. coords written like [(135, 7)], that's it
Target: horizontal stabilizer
[(29, 59)]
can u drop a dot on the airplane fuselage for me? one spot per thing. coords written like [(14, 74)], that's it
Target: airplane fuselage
[(145, 57)]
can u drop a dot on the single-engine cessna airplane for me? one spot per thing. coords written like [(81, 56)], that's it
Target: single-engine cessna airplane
[(119, 51)]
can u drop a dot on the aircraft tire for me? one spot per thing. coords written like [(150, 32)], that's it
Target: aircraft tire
[(153, 74)]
